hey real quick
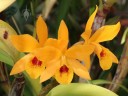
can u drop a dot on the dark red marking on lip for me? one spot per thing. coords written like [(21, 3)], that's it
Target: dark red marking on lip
[(64, 69), (102, 53), (36, 62)]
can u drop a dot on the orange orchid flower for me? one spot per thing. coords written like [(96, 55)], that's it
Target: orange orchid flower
[(39, 55), (69, 61), (105, 33)]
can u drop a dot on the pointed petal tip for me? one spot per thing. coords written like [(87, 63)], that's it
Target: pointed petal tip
[(118, 24), (96, 7), (39, 17), (62, 21), (12, 73)]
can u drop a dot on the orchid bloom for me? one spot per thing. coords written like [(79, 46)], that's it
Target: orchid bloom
[(105, 33), (69, 61), (39, 55)]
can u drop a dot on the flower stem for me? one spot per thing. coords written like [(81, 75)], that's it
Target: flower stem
[(14, 21), (17, 86), (122, 69)]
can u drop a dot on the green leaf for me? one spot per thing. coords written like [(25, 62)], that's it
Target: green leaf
[(5, 43), (4, 57), (124, 36), (100, 81), (33, 84), (80, 89)]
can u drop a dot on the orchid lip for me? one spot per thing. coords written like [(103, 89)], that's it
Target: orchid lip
[(64, 69), (36, 62), (102, 53)]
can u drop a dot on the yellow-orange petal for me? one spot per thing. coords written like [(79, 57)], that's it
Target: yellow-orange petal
[(52, 42), (47, 53), (105, 63), (62, 76), (87, 33), (50, 70), (63, 35), (24, 43), (79, 69), (87, 62), (106, 57), (79, 52), (114, 58), (20, 65), (105, 33), (34, 70), (41, 30)]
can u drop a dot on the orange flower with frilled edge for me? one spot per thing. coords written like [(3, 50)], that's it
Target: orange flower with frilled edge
[(69, 61), (105, 33), (39, 55)]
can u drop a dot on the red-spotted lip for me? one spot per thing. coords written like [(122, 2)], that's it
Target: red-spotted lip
[(64, 69), (36, 62)]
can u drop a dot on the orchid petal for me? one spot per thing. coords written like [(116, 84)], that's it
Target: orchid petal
[(79, 52), (65, 77), (34, 71), (105, 33), (79, 69), (63, 35), (41, 30), (50, 70), (87, 33), (52, 42), (20, 65), (47, 53), (24, 43), (87, 62), (107, 60)]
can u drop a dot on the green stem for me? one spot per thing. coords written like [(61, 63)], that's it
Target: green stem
[(33, 14), (14, 21)]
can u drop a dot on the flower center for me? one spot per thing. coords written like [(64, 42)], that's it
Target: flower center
[(5, 35), (102, 53), (64, 69), (36, 62)]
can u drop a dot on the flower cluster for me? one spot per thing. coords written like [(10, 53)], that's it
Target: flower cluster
[(50, 57)]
